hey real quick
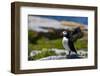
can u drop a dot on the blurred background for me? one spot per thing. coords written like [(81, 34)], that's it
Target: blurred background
[(45, 36)]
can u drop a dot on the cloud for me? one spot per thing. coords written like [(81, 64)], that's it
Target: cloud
[(35, 23)]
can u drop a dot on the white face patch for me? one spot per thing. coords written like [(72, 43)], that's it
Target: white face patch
[(64, 33)]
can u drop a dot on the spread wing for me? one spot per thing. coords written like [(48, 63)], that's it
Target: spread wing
[(76, 34)]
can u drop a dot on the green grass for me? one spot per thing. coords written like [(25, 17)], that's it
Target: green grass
[(44, 53), (48, 44), (81, 44), (44, 45)]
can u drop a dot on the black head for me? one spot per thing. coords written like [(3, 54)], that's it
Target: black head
[(66, 34)]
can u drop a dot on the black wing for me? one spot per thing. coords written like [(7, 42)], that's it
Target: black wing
[(76, 34), (71, 45)]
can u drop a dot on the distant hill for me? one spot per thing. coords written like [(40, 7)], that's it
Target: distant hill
[(71, 24)]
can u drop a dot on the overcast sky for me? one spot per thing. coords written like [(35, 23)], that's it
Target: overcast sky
[(36, 22)]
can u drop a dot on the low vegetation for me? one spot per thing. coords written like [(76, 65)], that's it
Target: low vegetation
[(44, 53), (81, 44), (43, 44)]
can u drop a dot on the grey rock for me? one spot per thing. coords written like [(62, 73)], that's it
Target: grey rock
[(34, 52)]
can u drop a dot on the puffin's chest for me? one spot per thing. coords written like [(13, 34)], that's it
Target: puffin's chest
[(65, 42)]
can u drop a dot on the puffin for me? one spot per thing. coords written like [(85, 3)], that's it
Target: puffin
[(67, 42)]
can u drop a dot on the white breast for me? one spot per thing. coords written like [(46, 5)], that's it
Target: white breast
[(65, 43)]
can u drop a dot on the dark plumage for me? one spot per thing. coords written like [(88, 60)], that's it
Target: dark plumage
[(71, 46), (69, 38)]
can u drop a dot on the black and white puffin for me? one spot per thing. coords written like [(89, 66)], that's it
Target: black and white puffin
[(68, 43)]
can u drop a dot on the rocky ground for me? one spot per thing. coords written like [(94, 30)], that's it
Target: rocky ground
[(62, 54)]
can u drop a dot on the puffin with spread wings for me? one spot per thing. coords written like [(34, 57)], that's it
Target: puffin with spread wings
[(68, 40)]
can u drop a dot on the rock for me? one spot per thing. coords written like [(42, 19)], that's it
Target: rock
[(33, 53), (62, 54), (82, 53), (53, 58), (59, 51), (73, 56)]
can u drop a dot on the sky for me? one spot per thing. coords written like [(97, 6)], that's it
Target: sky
[(35, 22), (82, 20)]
